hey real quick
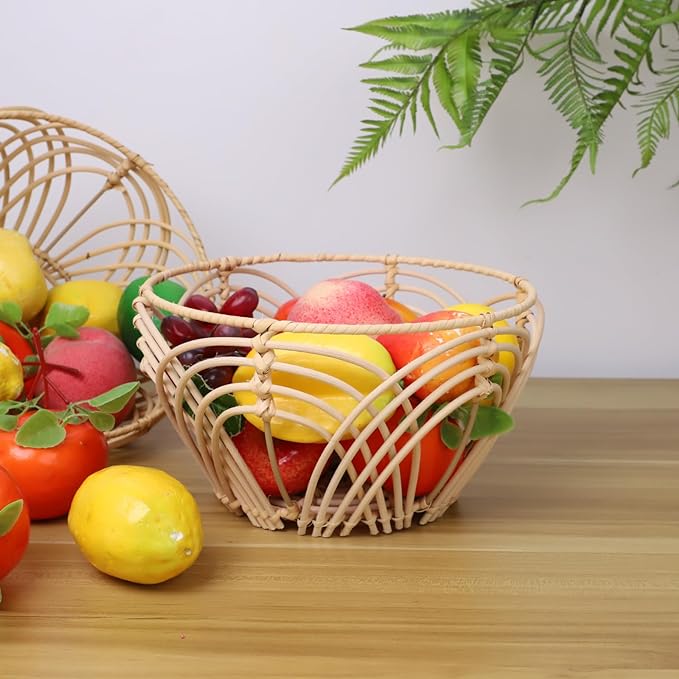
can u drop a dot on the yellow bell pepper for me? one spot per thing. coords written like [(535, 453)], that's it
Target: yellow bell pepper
[(359, 378)]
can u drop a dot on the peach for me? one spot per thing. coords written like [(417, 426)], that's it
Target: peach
[(344, 301), (101, 361)]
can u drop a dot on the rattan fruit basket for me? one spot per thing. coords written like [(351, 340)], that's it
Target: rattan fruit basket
[(359, 477), (91, 209)]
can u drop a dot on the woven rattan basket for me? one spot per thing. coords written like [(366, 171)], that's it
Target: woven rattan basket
[(91, 208), (338, 501)]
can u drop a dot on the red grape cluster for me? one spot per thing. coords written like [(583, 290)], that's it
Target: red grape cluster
[(178, 330)]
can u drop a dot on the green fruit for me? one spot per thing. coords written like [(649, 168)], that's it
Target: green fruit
[(167, 290)]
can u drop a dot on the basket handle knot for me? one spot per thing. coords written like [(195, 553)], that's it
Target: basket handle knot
[(262, 380), (115, 178), (391, 272)]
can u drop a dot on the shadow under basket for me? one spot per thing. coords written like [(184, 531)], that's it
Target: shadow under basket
[(91, 209), (372, 424)]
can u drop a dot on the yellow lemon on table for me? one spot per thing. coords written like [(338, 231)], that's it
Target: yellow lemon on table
[(506, 358), (136, 523), (21, 278), (100, 297), (11, 375)]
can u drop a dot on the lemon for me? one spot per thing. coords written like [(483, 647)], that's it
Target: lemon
[(506, 358), (136, 523), (11, 375), (100, 297), (21, 278)]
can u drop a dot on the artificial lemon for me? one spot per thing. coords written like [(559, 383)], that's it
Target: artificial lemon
[(136, 523), (100, 297), (167, 290), (21, 278), (11, 375), (506, 358)]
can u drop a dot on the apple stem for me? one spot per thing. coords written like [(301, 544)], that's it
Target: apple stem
[(44, 368)]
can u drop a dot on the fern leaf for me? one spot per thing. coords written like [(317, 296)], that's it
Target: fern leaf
[(655, 115), (635, 17), (414, 32), (507, 43), (453, 68), (425, 97), (603, 10), (463, 61), (408, 64)]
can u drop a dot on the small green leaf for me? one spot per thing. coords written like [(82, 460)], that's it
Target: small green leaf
[(66, 314), (490, 421), (9, 515), (42, 430), (497, 379), (232, 425), (101, 421), (116, 399), (8, 422), (10, 313), (450, 433), (65, 330)]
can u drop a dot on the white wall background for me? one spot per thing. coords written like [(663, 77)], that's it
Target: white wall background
[(248, 108)]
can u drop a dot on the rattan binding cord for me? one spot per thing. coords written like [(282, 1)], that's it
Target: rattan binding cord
[(336, 504), (91, 208)]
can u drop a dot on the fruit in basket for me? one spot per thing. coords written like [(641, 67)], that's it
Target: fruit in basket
[(21, 279), (49, 476), (100, 298), (167, 290), (343, 301), (437, 451), (310, 351), (284, 309), (11, 375), (296, 461), (83, 368), (15, 525), (406, 313), (438, 447), (136, 523), (506, 358), (242, 302), (405, 348)]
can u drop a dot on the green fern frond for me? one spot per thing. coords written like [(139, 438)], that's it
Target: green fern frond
[(507, 39), (467, 57), (635, 17), (452, 67), (655, 115)]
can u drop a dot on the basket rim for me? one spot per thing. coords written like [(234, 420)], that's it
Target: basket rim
[(266, 324), (28, 113)]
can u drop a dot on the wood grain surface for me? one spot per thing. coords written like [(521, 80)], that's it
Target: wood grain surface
[(561, 560)]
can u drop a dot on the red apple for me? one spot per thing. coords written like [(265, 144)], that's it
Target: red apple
[(295, 460)]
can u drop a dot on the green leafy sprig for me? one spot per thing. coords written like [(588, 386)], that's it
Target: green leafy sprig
[(47, 428), (466, 57)]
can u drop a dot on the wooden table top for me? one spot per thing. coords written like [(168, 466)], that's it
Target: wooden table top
[(560, 560)]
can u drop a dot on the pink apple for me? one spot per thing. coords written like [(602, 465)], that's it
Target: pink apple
[(102, 362), (343, 301)]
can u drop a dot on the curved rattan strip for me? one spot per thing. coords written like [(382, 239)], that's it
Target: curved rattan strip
[(262, 325), (135, 159), (43, 154)]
